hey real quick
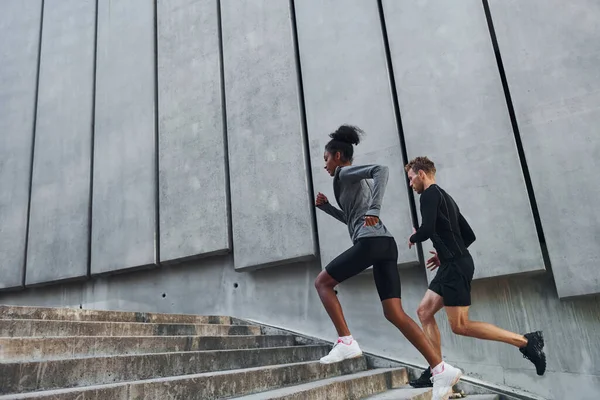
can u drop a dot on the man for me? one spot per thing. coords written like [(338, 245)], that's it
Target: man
[(451, 235)]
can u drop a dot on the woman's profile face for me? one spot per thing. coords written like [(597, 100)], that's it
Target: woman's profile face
[(332, 161)]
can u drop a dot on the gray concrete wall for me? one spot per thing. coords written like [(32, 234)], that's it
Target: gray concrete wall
[(124, 181), (256, 145), (192, 164), (272, 209), (60, 188), (454, 111), (286, 297), (20, 24), (551, 54), (345, 79)]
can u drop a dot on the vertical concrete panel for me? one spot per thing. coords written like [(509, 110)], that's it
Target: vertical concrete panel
[(454, 111), (551, 55), (19, 43), (270, 201), (345, 79), (192, 169), (60, 192), (124, 192)]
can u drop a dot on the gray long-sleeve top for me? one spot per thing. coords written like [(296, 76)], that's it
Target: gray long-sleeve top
[(357, 199)]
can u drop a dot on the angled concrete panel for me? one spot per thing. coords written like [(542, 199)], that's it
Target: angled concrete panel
[(454, 111), (192, 168), (60, 192), (20, 23), (345, 79), (270, 201), (124, 181), (551, 55)]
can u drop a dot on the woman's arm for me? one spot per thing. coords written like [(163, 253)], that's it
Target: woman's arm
[(379, 174)]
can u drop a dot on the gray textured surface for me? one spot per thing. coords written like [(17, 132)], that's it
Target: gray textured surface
[(124, 199), (270, 201), (19, 41), (60, 192), (76, 314), (551, 54), (37, 328), (270, 366), (354, 386), (286, 297), (559, 386), (407, 393), (345, 80), (454, 111), (209, 384), (192, 176), (77, 372), (35, 349)]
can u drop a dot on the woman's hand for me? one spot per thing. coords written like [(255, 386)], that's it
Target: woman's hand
[(321, 199), (371, 220)]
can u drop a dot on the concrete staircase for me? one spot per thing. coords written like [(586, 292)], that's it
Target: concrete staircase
[(54, 353)]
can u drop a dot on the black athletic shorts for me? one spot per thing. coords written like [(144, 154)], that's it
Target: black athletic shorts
[(379, 251), (453, 281)]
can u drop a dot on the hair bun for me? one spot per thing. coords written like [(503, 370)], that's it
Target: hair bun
[(347, 134)]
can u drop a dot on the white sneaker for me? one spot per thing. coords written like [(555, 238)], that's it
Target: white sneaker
[(341, 352), (443, 382)]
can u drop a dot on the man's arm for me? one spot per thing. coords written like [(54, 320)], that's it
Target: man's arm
[(379, 174), (465, 230), (333, 211), (430, 200)]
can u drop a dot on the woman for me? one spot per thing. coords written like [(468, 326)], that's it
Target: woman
[(373, 245)]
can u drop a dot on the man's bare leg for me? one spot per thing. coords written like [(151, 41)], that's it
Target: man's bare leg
[(531, 345), (461, 325), (430, 305)]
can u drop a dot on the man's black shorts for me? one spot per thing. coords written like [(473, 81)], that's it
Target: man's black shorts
[(453, 281)]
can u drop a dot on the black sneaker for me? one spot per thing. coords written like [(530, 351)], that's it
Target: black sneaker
[(423, 381), (534, 351)]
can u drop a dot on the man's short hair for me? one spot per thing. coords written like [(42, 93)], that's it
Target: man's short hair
[(421, 163)]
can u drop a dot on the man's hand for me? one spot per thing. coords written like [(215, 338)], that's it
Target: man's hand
[(321, 199), (434, 262), (371, 220), (411, 244)]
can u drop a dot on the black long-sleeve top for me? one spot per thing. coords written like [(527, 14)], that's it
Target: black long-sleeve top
[(443, 223)]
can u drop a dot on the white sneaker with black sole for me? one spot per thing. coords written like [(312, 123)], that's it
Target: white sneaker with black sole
[(342, 351), (443, 382)]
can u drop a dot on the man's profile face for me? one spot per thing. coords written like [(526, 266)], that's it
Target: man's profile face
[(416, 181)]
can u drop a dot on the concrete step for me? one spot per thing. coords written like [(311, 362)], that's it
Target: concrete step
[(76, 314), (205, 386), (409, 393), (52, 348), (35, 327), (405, 393), (44, 375), (347, 387)]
